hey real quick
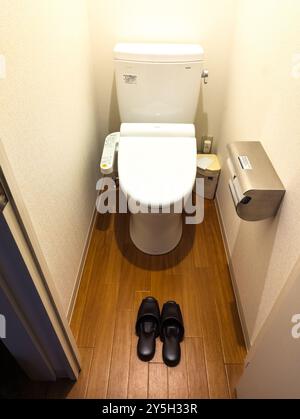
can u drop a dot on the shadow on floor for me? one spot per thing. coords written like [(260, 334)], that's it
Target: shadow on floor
[(138, 258)]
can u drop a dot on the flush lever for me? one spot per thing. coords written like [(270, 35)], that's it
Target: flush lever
[(205, 75)]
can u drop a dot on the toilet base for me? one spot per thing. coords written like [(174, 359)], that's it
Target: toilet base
[(156, 234)]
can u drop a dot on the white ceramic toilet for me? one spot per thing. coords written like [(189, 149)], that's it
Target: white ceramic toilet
[(158, 90)]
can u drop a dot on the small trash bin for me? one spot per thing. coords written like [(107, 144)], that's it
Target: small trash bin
[(208, 167)]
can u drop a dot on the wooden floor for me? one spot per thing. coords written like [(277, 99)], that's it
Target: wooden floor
[(117, 277)]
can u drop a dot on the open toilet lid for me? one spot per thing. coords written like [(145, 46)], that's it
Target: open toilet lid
[(157, 171)]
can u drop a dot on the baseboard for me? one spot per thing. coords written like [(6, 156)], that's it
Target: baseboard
[(232, 275), (81, 266)]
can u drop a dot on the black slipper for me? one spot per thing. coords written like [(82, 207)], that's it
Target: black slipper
[(171, 333), (147, 328)]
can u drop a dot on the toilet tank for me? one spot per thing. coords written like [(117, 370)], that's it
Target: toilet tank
[(158, 82)]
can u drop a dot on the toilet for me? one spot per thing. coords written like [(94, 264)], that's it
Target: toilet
[(158, 87)]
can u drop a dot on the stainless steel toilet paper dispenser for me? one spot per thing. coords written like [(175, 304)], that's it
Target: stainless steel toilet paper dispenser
[(256, 189)]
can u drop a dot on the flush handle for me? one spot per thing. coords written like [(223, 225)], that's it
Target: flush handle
[(205, 76)]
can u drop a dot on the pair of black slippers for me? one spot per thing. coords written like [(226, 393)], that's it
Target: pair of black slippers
[(168, 325)]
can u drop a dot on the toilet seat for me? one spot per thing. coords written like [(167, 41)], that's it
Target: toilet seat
[(157, 171)]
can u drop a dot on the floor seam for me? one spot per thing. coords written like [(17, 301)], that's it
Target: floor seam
[(112, 344), (89, 370)]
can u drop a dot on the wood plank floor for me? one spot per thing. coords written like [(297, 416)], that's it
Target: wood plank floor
[(117, 277)]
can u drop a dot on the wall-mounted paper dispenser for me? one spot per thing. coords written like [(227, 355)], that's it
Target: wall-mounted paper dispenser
[(255, 187)]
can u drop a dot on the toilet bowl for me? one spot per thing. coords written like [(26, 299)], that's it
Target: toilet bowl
[(157, 169)]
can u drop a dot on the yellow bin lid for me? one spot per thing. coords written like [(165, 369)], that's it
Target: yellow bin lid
[(209, 159)]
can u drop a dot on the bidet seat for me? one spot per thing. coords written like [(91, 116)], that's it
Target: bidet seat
[(157, 171)]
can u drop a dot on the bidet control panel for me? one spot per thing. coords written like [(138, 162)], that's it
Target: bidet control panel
[(109, 153)]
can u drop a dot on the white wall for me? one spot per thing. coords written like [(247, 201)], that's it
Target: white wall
[(47, 125), (273, 369), (263, 103), (209, 23)]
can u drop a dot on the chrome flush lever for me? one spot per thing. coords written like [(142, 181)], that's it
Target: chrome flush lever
[(205, 76)]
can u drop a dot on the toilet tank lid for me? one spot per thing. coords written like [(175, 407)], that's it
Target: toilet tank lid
[(162, 53)]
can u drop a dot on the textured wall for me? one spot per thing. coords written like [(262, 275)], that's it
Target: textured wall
[(263, 103), (47, 125)]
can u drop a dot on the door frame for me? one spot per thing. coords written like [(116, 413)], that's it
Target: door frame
[(36, 264)]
